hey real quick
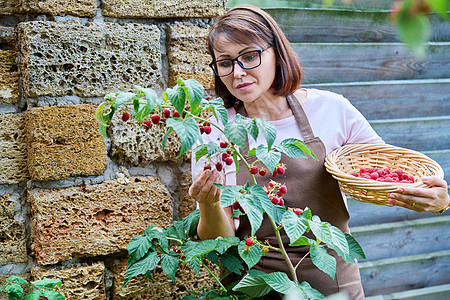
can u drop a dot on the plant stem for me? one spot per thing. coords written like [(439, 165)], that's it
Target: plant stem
[(214, 276), (283, 251), (296, 266)]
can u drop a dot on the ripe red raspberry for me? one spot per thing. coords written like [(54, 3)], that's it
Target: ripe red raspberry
[(374, 175), (274, 200), (223, 144), (399, 172), (298, 211), (362, 170), (280, 170), (202, 129), (254, 170), (125, 117), (225, 156), (228, 161), (271, 184), (156, 118), (219, 166), (147, 125), (262, 172), (207, 167), (281, 202), (275, 172), (206, 124), (207, 130), (355, 174), (282, 189), (249, 242), (236, 205), (176, 114), (166, 113)]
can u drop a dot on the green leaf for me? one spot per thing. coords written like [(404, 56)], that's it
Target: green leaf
[(99, 114), (138, 247), (176, 230), (201, 248), (236, 133), (52, 295), (303, 291), (196, 91), (165, 138), (46, 283), (213, 257), (219, 111), (232, 263), (152, 100), (268, 130), (252, 128), (14, 289), (253, 212), (177, 97), (414, 30), (253, 286), (302, 241), (279, 281), (322, 260), (230, 194), (224, 243), (141, 267), (295, 226), (169, 264), (269, 158), (16, 279), (154, 232), (190, 222), (122, 98), (34, 295), (187, 131), (356, 252), (211, 149), (251, 257), (439, 6), (330, 235), (262, 199), (278, 213), (195, 264)]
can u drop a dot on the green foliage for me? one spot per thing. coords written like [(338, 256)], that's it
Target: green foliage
[(43, 289), (178, 246)]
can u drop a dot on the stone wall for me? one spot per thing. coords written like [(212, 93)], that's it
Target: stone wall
[(70, 201)]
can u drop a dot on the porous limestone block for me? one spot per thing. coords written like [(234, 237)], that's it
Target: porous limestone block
[(79, 281), (188, 54), (13, 149), (64, 141), (92, 220), (10, 7), (12, 234), (161, 287), (79, 8), (58, 59), (9, 75), (131, 143), (186, 204), (163, 9)]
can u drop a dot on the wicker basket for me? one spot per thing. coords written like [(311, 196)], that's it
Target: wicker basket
[(344, 161)]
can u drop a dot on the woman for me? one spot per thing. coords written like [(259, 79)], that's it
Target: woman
[(258, 75)]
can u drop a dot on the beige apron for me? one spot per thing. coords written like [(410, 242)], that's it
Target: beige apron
[(309, 185)]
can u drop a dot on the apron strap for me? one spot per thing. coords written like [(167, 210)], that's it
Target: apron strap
[(300, 117)]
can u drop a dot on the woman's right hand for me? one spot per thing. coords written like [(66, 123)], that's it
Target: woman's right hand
[(203, 189)]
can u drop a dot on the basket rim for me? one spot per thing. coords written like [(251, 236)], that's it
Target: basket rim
[(358, 182)]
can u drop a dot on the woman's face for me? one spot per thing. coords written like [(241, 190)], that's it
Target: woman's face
[(248, 85)]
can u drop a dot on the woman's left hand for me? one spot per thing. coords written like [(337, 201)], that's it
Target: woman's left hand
[(433, 198)]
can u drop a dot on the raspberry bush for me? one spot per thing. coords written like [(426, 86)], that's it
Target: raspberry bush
[(178, 246)]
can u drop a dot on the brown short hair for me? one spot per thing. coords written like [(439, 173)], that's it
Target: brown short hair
[(244, 24)]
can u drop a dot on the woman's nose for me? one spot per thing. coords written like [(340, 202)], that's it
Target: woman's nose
[(238, 70)]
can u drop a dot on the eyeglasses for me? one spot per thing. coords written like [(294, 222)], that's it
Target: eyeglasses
[(248, 60)]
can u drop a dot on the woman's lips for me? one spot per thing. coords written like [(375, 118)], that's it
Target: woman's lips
[(244, 86)]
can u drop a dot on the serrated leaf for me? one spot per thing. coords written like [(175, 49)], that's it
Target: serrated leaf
[(190, 222), (294, 226), (414, 31), (302, 241), (231, 263), (213, 148), (34, 295), (268, 130), (165, 138), (14, 289), (220, 113), (177, 97), (99, 114), (200, 151), (279, 281), (269, 158), (322, 260), (46, 283), (195, 91), (152, 99), (230, 195), (169, 264), (187, 131), (195, 265), (223, 243), (278, 213), (52, 295), (303, 291), (356, 252), (252, 286), (176, 230), (236, 133), (252, 128), (213, 257), (16, 279), (330, 235), (201, 248), (141, 267), (440, 6), (138, 247), (253, 212), (252, 256), (263, 200)]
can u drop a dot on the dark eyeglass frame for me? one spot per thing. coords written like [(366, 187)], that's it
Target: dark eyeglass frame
[(214, 63)]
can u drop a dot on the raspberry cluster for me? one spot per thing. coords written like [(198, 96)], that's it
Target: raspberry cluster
[(384, 175), (205, 128), (226, 158), (155, 119), (275, 191)]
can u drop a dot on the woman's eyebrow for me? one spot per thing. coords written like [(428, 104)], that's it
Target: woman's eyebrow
[(240, 52)]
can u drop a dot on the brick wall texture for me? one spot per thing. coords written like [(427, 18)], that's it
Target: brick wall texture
[(71, 200)]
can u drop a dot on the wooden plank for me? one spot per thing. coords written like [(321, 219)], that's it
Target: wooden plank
[(347, 62), (405, 273), (404, 238), (420, 134), (315, 25), (439, 292), (366, 4), (395, 99)]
